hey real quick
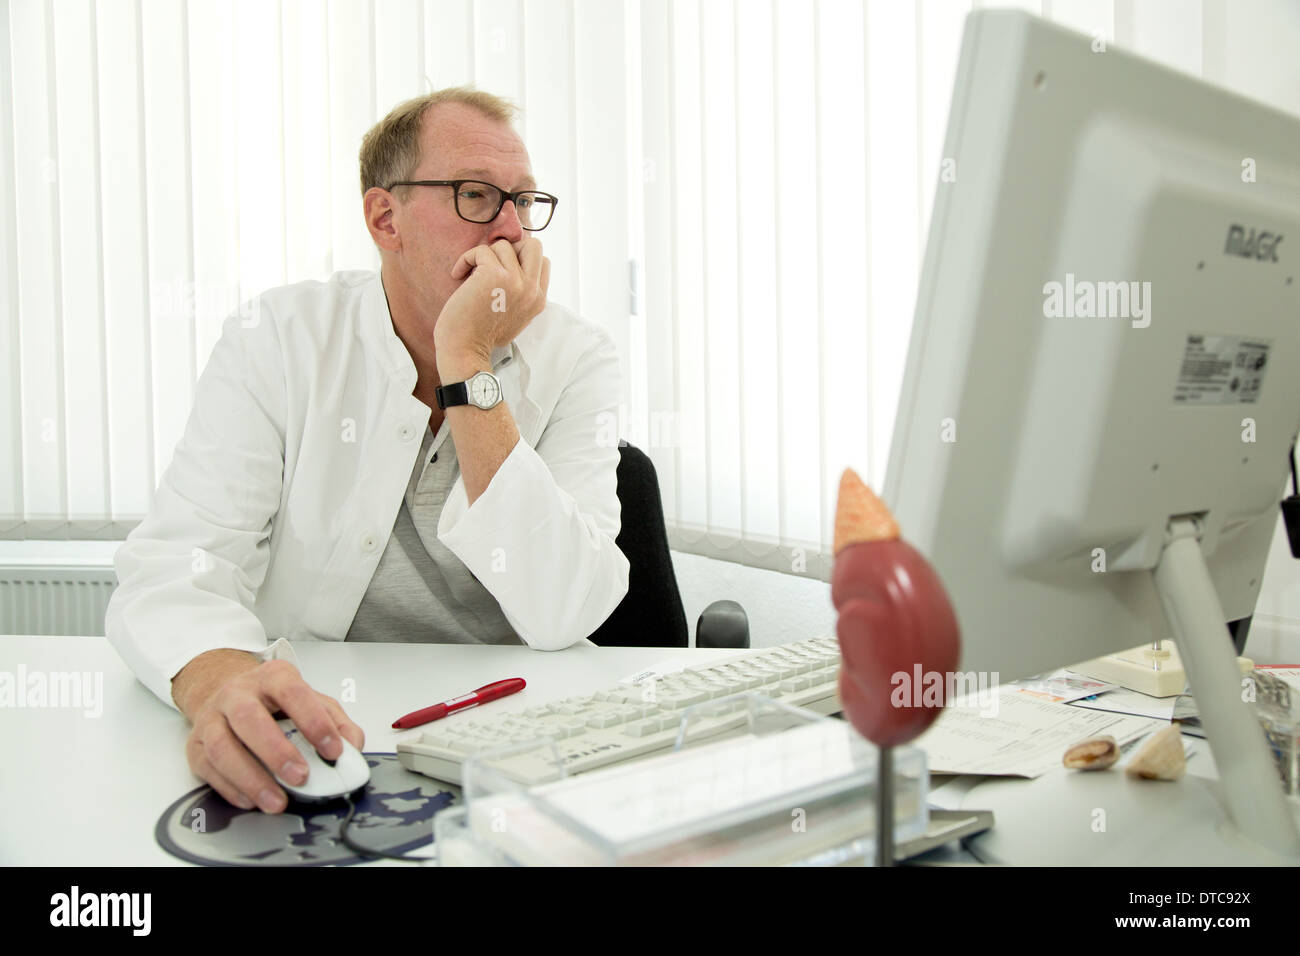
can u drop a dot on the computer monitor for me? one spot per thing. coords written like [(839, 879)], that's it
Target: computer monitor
[(1104, 374)]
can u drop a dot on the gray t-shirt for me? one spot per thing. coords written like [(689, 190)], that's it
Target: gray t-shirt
[(421, 592)]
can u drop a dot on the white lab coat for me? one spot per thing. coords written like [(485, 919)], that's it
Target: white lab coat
[(283, 491)]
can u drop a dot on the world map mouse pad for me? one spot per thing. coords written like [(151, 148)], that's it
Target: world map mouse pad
[(394, 815)]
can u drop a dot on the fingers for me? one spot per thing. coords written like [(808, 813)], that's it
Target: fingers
[(355, 735), (524, 260), (238, 748), (529, 250), (508, 278), (471, 259), (220, 758), (303, 706), (517, 259), (222, 784), (255, 728), (504, 251), (465, 264)]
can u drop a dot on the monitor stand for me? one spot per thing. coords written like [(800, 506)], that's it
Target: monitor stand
[(1105, 817)]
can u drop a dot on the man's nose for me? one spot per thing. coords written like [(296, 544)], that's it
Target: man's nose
[(507, 225)]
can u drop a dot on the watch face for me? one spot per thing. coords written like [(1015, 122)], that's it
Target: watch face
[(484, 390)]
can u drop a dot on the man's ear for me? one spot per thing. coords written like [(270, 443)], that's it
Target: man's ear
[(380, 210)]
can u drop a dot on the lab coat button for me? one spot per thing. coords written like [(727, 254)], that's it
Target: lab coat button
[(405, 432), (369, 543)]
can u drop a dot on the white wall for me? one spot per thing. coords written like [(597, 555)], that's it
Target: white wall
[(781, 607)]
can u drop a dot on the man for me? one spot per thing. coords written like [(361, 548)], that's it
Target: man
[(322, 491)]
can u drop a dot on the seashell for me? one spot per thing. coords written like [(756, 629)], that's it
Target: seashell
[(1095, 753), (1161, 757)]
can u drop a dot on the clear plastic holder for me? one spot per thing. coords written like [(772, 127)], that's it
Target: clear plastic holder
[(796, 787), (1278, 711)]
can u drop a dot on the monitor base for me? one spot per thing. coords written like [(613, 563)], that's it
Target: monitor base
[(1156, 673)]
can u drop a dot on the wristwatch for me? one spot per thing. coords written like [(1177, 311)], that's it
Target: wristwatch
[(482, 390)]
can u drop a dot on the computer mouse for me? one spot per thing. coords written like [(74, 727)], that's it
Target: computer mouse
[(326, 779)]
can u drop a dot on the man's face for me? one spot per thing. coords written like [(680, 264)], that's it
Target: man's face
[(457, 142)]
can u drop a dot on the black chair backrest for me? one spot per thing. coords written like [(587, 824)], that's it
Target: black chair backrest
[(651, 614)]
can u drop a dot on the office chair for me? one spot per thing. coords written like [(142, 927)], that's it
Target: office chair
[(651, 614)]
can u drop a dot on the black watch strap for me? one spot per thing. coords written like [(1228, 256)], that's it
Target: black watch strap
[(451, 395)]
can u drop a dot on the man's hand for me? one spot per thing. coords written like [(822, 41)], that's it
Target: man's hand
[(505, 289), (230, 700)]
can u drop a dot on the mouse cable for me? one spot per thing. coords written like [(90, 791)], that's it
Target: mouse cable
[(365, 851)]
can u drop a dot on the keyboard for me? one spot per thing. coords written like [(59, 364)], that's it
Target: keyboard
[(630, 721)]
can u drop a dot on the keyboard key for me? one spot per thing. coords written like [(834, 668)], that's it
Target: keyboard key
[(678, 701), (642, 728)]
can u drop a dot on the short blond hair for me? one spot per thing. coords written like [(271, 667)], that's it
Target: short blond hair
[(390, 151)]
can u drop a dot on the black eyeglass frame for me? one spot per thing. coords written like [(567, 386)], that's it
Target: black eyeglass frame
[(505, 197)]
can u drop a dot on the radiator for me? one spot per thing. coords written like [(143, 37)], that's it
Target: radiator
[(55, 599)]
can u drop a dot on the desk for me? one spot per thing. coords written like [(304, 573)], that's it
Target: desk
[(1071, 818), (83, 791), (86, 791)]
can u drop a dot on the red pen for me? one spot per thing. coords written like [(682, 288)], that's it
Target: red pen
[(488, 692)]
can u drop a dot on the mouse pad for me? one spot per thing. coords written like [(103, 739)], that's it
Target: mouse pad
[(394, 815)]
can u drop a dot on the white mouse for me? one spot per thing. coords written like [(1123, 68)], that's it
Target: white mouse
[(326, 779)]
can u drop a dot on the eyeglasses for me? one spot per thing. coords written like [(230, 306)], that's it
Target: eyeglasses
[(482, 202)]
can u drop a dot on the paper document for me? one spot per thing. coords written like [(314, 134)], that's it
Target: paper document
[(1021, 736), (1061, 687), (1124, 701)]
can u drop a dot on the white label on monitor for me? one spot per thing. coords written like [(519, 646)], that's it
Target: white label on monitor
[(1221, 370)]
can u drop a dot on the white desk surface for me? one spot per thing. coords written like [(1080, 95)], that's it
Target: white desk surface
[(85, 791)]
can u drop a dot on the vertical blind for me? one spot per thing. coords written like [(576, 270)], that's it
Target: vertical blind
[(162, 162), (745, 192), (792, 151)]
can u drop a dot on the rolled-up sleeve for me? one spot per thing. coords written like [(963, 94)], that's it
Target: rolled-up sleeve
[(540, 538), (189, 573)]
